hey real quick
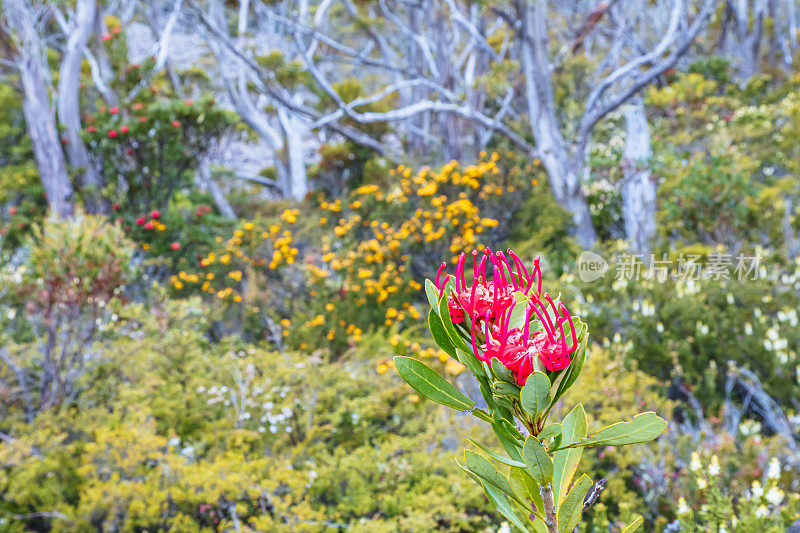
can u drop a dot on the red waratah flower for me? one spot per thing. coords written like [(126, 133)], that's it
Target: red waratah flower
[(115, 207), (106, 36), (138, 106), (112, 133), (519, 350), (140, 221), (114, 110), (150, 224), (124, 129), (129, 151), (176, 123), (188, 102), (91, 129), (142, 119), (175, 246), (116, 30), (484, 296), (12, 210), (155, 213)]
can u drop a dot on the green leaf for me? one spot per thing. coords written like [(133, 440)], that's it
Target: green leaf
[(501, 372), (444, 312), (510, 444), (552, 430), (439, 334), (570, 510), (539, 464), (505, 389), (535, 395), (433, 295), (634, 526), (469, 360), (430, 384), (643, 428), (496, 456), (574, 428), (484, 469), (500, 502), (572, 372), (525, 487)]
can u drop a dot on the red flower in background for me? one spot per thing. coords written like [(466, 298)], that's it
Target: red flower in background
[(140, 221), (176, 123), (114, 110), (106, 36), (91, 129), (175, 246), (124, 129), (112, 134), (155, 213)]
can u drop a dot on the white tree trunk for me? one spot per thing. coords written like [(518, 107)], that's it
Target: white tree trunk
[(563, 171), (639, 187), (69, 105), (39, 114), (294, 129)]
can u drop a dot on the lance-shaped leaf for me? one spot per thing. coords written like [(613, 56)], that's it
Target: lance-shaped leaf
[(553, 430), (634, 526), (573, 429), (501, 503), (535, 395), (430, 384), (433, 295), (525, 487), (469, 360), (510, 444), (484, 469), (539, 464), (444, 313), (501, 372), (569, 512), (572, 372), (439, 334), (643, 428), (496, 456), (505, 389)]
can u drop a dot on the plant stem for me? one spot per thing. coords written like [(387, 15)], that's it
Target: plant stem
[(551, 518)]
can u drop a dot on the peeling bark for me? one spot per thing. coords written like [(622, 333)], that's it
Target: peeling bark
[(638, 187)]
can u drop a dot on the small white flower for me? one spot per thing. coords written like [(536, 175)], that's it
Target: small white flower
[(774, 468), (774, 496), (683, 508), (756, 489), (762, 511), (695, 465), (748, 328), (702, 483), (713, 468)]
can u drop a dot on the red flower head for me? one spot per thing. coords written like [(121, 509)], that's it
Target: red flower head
[(106, 36), (114, 110), (138, 106), (116, 30), (112, 134), (176, 123), (140, 221), (175, 246), (518, 349), (129, 151), (12, 210), (484, 297), (91, 129), (124, 129), (149, 225), (188, 102), (155, 213), (115, 207)]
